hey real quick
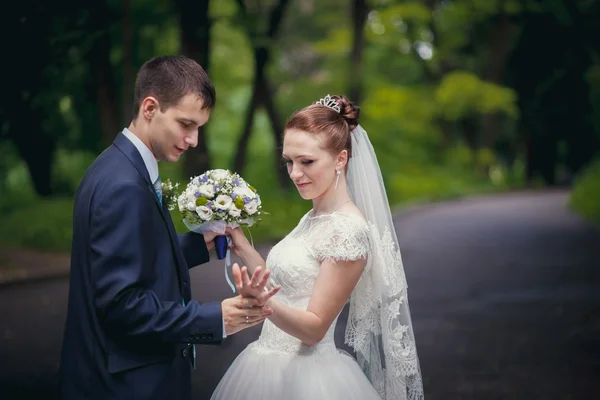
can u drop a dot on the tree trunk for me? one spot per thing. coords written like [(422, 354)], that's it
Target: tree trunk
[(195, 27), (106, 95), (39, 154), (127, 66), (240, 155), (359, 18), (277, 128), (262, 94), (469, 128), (500, 46)]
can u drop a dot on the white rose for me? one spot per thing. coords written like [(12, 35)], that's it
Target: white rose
[(235, 212), (219, 174), (206, 191), (191, 206), (251, 207), (244, 192), (223, 202), (204, 212)]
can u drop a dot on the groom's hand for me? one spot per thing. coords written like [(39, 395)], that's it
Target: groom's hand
[(240, 313), (257, 286), (209, 239)]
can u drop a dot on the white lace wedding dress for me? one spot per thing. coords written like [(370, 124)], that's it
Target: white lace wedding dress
[(279, 366)]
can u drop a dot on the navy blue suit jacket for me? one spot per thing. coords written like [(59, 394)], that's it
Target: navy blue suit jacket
[(126, 329)]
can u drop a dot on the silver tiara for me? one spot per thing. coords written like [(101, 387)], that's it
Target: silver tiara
[(329, 102)]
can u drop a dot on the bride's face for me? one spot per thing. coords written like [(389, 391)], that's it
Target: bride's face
[(310, 166)]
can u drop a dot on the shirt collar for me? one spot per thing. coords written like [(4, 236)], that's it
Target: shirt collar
[(147, 156)]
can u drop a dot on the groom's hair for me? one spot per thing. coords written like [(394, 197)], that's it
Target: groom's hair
[(169, 79)]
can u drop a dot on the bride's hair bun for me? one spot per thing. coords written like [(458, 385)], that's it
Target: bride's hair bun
[(348, 110), (333, 116)]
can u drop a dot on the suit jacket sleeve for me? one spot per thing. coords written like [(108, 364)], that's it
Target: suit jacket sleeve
[(194, 249), (121, 228)]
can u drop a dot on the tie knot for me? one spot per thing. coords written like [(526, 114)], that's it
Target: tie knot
[(158, 189)]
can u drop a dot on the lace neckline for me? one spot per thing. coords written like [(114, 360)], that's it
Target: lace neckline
[(310, 216)]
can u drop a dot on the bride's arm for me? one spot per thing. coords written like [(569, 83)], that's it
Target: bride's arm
[(333, 287), (250, 257)]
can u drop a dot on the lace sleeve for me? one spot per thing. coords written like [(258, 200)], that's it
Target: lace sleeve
[(342, 238)]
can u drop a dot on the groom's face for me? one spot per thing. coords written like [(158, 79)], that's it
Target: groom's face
[(174, 130)]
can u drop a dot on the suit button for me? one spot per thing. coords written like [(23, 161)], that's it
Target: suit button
[(184, 353)]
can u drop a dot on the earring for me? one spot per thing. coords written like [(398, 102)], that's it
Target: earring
[(337, 172)]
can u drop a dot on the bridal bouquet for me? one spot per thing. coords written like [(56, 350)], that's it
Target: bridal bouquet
[(217, 199)]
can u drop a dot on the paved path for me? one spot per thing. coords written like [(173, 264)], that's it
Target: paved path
[(504, 291)]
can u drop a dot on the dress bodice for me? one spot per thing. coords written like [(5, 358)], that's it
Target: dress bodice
[(295, 262)]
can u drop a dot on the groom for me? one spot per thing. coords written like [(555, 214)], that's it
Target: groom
[(132, 325)]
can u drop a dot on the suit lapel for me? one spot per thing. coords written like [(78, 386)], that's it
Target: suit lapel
[(132, 153), (183, 268)]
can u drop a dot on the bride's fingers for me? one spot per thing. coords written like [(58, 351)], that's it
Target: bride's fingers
[(237, 276), (245, 277), (258, 272), (267, 295), (264, 279)]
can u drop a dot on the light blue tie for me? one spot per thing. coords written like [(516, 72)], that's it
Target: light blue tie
[(158, 190)]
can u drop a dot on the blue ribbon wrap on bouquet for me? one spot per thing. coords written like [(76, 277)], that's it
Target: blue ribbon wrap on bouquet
[(221, 246), (222, 243)]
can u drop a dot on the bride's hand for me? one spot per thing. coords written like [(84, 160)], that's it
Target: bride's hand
[(255, 287), (238, 240)]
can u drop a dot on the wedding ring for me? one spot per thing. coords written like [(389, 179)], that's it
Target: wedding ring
[(247, 319)]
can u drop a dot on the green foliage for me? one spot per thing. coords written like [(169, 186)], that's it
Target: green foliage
[(585, 196), (407, 93), (41, 224), (462, 93), (69, 168)]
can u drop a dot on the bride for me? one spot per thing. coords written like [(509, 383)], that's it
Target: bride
[(344, 249)]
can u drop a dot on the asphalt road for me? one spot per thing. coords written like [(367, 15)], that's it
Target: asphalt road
[(504, 294)]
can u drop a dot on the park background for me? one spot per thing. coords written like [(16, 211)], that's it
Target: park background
[(460, 98)]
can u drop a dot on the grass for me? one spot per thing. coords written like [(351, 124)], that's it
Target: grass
[(43, 225), (585, 196)]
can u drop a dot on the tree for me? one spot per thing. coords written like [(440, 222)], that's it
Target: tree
[(360, 11), (195, 26), (21, 110), (262, 91)]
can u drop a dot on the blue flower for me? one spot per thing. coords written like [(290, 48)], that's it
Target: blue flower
[(203, 178), (197, 194)]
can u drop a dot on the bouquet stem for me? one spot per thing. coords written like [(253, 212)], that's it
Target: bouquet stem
[(221, 246)]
